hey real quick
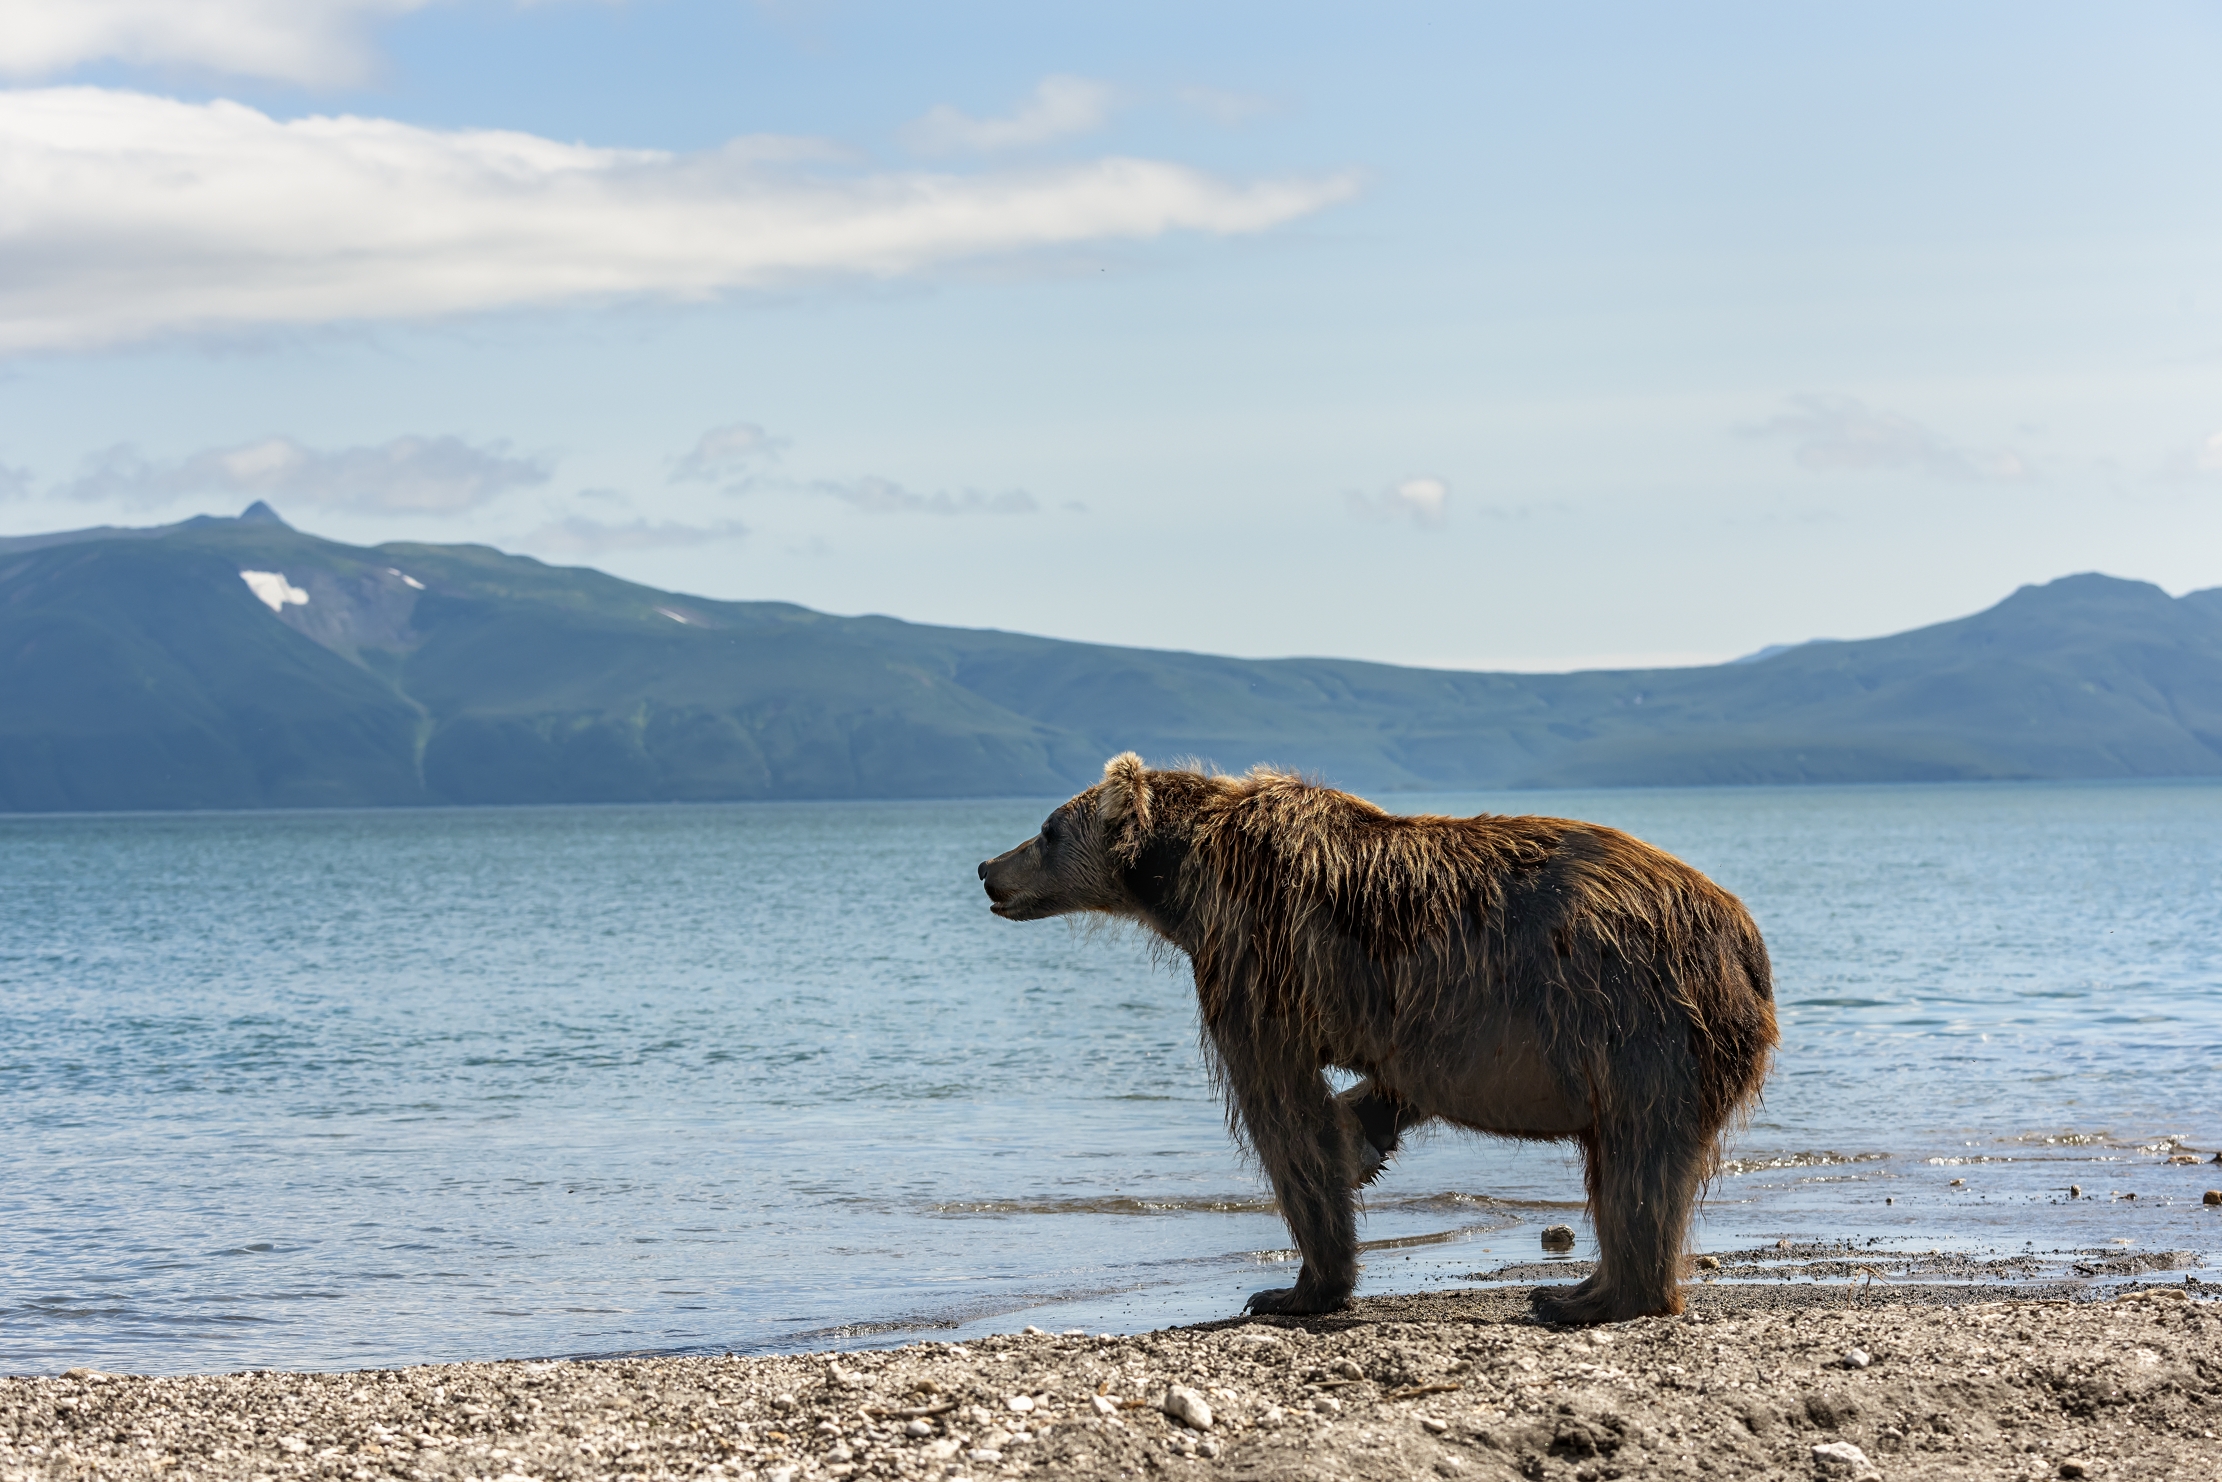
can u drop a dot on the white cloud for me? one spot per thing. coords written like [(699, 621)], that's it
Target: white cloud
[(1059, 106), (1424, 501), (2201, 461), (15, 483), (415, 475), (875, 496), (313, 42), (578, 536), (1844, 434), (124, 216), (1229, 109), (727, 453)]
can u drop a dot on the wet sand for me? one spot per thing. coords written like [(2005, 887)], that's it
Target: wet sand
[(1828, 1379)]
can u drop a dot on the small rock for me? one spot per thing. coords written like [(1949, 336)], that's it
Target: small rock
[(919, 1428), (1707, 1263), (1857, 1358), (1034, 1332), (1558, 1237), (1959, 1183), (1023, 1404), (829, 1427), (784, 1403), (1430, 1423), (1105, 1404), (943, 1449), (2075, 1467), (294, 1444), (92, 1375), (1841, 1456), (993, 1440), (1274, 1415), (1207, 1448), (2185, 1158), (840, 1453), (1327, 1404), (780, 1474), (1187, 1407), (2213, 1196), (1343, 1368), (984, 1454), (2075, 1191)]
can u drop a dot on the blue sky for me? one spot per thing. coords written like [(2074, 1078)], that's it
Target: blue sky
[(1530, 337)]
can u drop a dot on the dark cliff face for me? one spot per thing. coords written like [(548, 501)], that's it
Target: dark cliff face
[(141, 671)]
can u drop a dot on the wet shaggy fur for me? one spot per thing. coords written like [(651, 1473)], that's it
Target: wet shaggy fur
[(1527, 977)]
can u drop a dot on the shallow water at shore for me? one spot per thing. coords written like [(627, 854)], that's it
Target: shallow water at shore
[(344, 1089)]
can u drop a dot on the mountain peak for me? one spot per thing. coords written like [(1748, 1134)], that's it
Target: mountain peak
[(260, 513)]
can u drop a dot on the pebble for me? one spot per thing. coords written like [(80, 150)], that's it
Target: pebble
[(1857, 1358), (1023, 1404), (1187, 1407), (2213, 1196), (1105, 1404), (919, 1428), (2075, 1191), (1344, 1368), (1841, 1456), (1959, 1183), (2075, 1467), (1430, 1423), (1707, 1263), (1558, 1237)]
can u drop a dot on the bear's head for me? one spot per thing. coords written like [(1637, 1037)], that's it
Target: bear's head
[(1088, 851)]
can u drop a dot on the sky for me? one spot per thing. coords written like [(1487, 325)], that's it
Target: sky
[(1482, 336)]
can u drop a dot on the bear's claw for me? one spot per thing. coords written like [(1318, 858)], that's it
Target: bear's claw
[(1288, 1301)]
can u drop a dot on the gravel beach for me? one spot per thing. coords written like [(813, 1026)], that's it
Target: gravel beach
[(1777, 1379)]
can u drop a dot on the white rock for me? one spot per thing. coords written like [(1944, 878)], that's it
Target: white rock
[(783, 1402), (1188, 1407), (1841, 1456), (294, 1444), (1105, 1404), (918, 1428), (1023, 1404), (1274, 1415), (943, 1449), (984, 1454), (1433, 1424), (1034, 1332), (1857, 1358), (1207, 1448)]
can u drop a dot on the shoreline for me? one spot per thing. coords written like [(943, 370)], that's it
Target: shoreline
[(1756, 1379)]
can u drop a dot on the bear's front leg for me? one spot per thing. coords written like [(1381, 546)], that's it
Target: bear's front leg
[(1308, 1145)]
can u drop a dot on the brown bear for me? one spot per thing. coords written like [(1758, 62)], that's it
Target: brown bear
[(1528, 977)]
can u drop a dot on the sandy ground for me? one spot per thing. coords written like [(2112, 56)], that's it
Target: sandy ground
[(1756, 1380)]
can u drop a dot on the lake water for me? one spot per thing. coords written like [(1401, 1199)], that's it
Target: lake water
[(368, 1088)]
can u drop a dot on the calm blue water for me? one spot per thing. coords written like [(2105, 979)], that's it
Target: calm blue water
[(347, 1089)]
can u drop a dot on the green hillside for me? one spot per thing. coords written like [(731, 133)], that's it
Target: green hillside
[(142, 672)]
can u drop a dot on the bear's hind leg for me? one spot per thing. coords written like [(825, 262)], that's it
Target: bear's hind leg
[(1643, 1181)]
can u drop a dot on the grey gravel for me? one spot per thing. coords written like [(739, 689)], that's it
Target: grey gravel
[(1964, 1381)]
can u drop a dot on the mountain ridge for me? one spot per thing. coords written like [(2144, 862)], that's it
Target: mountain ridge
[(147, 674)]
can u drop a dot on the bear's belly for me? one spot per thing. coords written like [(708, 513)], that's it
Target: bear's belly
[(1508, 1089)]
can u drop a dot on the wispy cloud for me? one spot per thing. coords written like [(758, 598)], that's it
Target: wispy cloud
[(579, 536), (876, 496), (129, 216), (727, 454), (1059, 106), (1845, 434), (132, 216), (312, 42), (1423, 501), (1221, 107), (413, 475), (15, 483), (2201, 461)]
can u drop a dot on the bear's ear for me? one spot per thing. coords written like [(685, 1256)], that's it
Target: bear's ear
[(1125, 803)]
